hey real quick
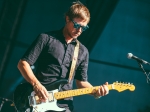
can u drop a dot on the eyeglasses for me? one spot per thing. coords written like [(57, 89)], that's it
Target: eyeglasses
[(77, 26)]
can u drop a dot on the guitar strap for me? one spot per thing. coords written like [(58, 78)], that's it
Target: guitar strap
[(74, 61)]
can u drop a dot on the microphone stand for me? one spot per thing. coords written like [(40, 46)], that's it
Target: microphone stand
[(1, 105), (147, 75), (5, 100)]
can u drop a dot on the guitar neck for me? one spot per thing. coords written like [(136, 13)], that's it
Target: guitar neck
[(77, 92)]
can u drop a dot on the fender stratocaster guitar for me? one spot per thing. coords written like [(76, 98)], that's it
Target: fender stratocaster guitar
[(26, 100)]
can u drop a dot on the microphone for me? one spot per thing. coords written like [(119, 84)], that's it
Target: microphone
[(130, 55)]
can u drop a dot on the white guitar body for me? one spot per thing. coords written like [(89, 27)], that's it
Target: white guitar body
[(50, 104)]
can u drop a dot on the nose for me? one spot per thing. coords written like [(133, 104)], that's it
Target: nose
[(79, 29)]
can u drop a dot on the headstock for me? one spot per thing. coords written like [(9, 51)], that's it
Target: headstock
[(123, 86)]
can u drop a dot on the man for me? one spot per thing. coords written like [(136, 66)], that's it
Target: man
[(54, 51)]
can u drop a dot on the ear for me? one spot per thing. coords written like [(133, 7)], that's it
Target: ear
[(67, 19)]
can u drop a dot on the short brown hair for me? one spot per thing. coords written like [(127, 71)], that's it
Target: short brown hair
[(78, 10)]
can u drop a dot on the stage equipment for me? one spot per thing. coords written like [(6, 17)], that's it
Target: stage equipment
[(3, 100), (140, 62)]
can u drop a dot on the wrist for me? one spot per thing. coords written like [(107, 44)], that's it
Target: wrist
[(35, 85), (97, 97)]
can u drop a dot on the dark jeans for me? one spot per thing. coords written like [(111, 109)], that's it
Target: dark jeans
[(67, 104), (67, 110)]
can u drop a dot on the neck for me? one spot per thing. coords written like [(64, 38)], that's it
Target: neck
[(68, 39)]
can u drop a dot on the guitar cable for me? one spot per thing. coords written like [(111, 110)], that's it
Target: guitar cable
[(13, 104)]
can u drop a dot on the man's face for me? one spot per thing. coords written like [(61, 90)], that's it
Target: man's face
[(75, 27)]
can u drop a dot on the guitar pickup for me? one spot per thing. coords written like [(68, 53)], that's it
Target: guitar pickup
[(37, 100), (51, 97), (34, 100)]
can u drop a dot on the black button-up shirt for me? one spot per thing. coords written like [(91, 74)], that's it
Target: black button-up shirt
[(54, 57)]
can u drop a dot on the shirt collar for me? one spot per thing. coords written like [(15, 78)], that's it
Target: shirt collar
[(62, 38)]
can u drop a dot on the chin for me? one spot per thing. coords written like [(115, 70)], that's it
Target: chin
[(74, 37)]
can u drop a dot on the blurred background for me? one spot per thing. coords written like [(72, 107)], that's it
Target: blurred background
[(117, 27)]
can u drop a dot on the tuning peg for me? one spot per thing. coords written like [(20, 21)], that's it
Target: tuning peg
[(116, 82), (131, 84), (123, 83)]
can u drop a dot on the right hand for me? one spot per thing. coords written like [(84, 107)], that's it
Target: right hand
[(41, 92)]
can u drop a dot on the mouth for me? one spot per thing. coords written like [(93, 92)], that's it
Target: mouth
[(76, 34)]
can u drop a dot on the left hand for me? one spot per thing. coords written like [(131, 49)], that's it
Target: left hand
[(103, 90)]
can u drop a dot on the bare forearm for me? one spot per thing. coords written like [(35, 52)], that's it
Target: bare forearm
[(83, 84), (27, 72)]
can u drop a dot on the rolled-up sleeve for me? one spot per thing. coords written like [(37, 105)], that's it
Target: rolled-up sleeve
[(81, 72), (33, 52)]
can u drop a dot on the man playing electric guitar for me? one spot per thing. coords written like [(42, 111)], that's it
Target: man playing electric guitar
[(54, 52)]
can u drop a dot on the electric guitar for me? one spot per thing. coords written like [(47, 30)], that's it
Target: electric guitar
[(26, 100)]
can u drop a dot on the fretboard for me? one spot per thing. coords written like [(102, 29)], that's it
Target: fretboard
[(77, 92)]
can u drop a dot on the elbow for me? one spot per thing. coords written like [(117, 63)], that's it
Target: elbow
[(79, 84), (19, 64), (22, 64)]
